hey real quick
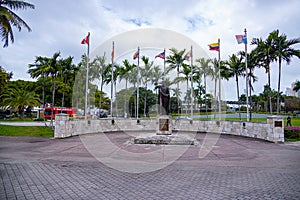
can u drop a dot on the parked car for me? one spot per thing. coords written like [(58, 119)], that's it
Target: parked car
[(4, 114)]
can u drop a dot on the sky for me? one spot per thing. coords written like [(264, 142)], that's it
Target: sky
[(61, 25)]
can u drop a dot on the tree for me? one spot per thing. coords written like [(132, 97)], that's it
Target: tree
[(44, 66), (175, 61), (67, 73), (204, 68), (283, 52), (234, 68), (39, 69), (146, 74), (251, 64), (100, 71), (264, 57), (4, 78), (19, 98), (8, 18), (186, 71), (297, 86)]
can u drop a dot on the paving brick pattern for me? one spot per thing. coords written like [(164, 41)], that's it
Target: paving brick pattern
[(221, 175)]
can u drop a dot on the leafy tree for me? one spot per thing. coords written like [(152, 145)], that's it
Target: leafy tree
[(234, 68), (19, 99), (8, 18), (67, 74), (264, 56), (4, 78), (125, 74), (297, 86), (151, 100), (204, 68), (283, 52), (146, 75), (292, 104), (105, 101), (100, 71), (176, 61)]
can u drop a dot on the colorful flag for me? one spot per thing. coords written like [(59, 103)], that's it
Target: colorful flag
[(214, 46), (136, 54), (86, 39), (188, 55), (161, 55), (241, 39)]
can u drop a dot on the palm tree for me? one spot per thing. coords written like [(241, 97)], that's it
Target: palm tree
[(37, 70), (251, 64), (264, 56), (146, 74), (175, 61), (206, 70), (157, 75), (234, 68), (19, 98), (125, 74), (297, 86), (108, 77), (100, 71), (48, 67), (186, 71), (283, 52), (8, 18), (67, 71), (132, 78)]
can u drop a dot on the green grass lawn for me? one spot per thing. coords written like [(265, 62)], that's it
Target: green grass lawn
[(31, 131)]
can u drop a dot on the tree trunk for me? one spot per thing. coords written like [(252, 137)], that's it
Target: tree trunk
[(145, 99), (238, 95), (63, 94), (205, 96), (53, 95), (125, 101), (101, 88), (278, 90), (177, 94), (269, 94), (250, 97)]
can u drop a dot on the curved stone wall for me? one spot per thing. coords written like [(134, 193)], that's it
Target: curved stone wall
[(272, 131)]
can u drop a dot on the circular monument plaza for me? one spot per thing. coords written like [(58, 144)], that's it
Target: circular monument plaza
[(235, 168), (154, 155)]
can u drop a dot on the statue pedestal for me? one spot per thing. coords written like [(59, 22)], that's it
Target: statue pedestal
[(164, 125)]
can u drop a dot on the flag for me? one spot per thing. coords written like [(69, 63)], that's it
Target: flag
[(136, 54), (188, 55), (241, 39), (86, 39), (161, 55), (214, 46)]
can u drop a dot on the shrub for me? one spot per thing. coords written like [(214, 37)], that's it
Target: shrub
[(292, 132)]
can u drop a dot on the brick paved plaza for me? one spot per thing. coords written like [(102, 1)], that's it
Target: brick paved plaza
[(235, 168)]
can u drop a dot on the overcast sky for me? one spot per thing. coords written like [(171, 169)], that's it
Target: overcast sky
[(61, 25)]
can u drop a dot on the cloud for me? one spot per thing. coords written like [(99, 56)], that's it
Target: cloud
[(61, 25)]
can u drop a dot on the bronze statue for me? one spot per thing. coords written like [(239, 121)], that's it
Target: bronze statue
[(164, 99)]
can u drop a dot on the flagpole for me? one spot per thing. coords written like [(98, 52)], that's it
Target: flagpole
[(138, 83), (112, 81), (246, 66), (219, 74), (192, 90), (164, 77), (87, 77)]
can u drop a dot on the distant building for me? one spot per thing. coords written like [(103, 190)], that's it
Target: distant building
[(291, 92)]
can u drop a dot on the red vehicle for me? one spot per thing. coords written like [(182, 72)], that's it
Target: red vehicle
[(57, 110)]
